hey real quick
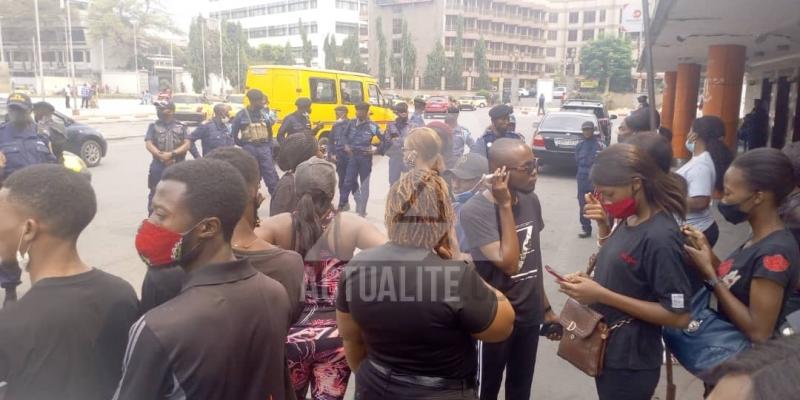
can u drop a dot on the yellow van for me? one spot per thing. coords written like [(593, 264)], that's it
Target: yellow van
[(327, 89)]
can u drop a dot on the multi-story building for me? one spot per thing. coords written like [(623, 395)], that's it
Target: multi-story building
[(277, 22)]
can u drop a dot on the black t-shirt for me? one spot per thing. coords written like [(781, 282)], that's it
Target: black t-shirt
[(774, 257), (416, 310), (66, 337), (644, 262), (479, 219)]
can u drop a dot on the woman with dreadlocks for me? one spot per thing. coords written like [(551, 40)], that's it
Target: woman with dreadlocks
[(327, 240), (296, 149), (423, 150), (408, 313)]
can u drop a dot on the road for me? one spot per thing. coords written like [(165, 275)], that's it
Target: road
[(120, 184)]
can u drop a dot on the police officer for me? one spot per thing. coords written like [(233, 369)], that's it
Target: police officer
[(336, 153), (298, 121), (358, 145), (461, 135), (168, 141), (585, 153), (214, 133), (48, 127), (252, 130), (20, 146), (416, 120), (395, 136), (500, 128)]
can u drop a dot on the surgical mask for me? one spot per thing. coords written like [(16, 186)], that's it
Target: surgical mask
[(160, 247), (690, 146), (621, 209), (732, 212)]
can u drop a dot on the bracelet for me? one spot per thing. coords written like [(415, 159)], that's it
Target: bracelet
[(712, 283)]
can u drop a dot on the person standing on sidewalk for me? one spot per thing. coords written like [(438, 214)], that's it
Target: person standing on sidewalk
[(585, 153), (168, 141), (500, 128), (416, 120), (67, 94), (86, 93), (358, 145), (542, 100), (254, 125)]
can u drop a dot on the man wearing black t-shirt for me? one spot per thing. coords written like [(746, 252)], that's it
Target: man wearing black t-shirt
[(509, 258), (65, 338)]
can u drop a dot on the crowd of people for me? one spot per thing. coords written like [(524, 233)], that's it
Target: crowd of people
[(448, 303)]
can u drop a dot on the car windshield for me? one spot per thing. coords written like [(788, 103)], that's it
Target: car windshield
[(570, 123), (236, 99), (185, 99)]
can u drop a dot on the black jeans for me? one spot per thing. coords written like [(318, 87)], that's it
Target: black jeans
[(517, 356), (372, 384), (627, 384)]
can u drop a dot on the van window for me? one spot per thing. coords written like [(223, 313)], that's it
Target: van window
[(322, 90), (375, 95), (352, 92)]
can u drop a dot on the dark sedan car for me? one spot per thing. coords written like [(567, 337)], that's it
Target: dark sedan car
[(557, 135)]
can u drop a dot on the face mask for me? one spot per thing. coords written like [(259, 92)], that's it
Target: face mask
[(160, 247), (732, 213), (402, 120), (621, 209), (690, 146), (23, 259)]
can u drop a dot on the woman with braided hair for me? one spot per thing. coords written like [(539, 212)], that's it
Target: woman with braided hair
[(423, 150), (389, 294), (296, 149)]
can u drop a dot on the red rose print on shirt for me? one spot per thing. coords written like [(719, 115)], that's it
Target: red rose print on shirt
[(776, 263), (629, 259), (724, 268)]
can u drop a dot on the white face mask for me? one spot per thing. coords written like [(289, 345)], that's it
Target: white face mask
[(23, 260)]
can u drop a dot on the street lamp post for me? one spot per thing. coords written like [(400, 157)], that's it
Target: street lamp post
[(39, 47), (2, 53), (221, 70), (136, 58), (203, 47)]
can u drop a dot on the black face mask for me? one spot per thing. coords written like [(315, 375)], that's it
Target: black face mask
[(732, 213)]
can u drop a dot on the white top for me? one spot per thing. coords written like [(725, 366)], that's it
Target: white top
[(700, 176)]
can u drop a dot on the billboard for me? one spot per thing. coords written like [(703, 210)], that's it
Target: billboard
[(631, 20)]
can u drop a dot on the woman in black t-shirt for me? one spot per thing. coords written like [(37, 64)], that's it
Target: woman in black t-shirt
[(639, 283), (408, 312), (752, 284)]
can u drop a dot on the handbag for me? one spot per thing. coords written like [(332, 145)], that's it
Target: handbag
[(585, 337), (708, 341)]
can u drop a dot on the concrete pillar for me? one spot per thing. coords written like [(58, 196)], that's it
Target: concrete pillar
[(780, 124), (724, 75), (668, 99), (687, 86)]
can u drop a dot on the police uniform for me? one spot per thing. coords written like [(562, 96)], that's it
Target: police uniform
[(585, 154), (395, 136), (212, 135), (484, 143), (53, 130), (252, 130), (167, 137), (295, 122), (337, 143), (359, 139), (416, 119)]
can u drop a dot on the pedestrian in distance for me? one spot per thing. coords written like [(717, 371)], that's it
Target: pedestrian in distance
[(541, 110), (215, 133), (336, 153), (417, 118), (231, 349), (251, 129), (500, 116), (86, 94), (585, 153), (327, 240), (65, 338), (461, 135), (168, 141), (420, 343), (394, 137), (755, 126), (67, 94), (358, 146)]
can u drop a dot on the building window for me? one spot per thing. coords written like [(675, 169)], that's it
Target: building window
[(256, 33), (346, 28), (364, 30), (602, 15), (258, 10), (551, 51), (396, 46), (276, 31), (588, 34), (347, 4), (239, 13), (81, 56), (572, 35), (553, 17), (322, 90), (397, 26), (375, 97), (574, 17), (552, 35), (588, 17), (276, 8)]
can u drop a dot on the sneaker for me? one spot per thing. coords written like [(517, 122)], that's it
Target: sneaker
[(585, 235)]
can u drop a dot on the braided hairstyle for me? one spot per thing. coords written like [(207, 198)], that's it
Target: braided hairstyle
[(296, 149), (427, 145), (419, 213)]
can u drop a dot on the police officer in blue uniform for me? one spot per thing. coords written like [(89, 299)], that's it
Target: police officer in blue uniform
[(298, 121), (500, 128), (416, 120), (461, 135), (20, 146), (392, 146), (167, 140), (336, 153), (252, 130), (214, 133), (358, 145), (585, 153)]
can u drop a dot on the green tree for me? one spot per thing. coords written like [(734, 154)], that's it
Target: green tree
[(404, 66), (481, 64), (435, 67), (455, 68), (609, 61), (235, 49), (308, 50), (331, 53), (266, 54), (352, 55), (287, 58), (381, 51)]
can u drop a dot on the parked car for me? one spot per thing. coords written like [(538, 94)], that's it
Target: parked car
[(472, 102), (558, 133), (522, 92), (436, 105), (191, 108), (82, 140), (598, 109), (559, 92)]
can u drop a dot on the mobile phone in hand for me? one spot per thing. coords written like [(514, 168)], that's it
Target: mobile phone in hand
[(555, 274)]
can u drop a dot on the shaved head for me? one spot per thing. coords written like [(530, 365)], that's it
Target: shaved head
[(508, 152)]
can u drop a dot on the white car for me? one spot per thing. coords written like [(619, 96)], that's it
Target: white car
[(523, 92), (559, 92)]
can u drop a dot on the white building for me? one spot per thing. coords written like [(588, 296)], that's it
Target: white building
[(276, 22)]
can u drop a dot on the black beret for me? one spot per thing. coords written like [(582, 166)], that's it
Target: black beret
[(401, 108), (500, 111), (303, 102), (362, 106)]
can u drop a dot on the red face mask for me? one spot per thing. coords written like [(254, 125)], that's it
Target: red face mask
[(158, 246), (621, 209)]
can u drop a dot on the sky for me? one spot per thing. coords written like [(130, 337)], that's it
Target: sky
[(182, 11)]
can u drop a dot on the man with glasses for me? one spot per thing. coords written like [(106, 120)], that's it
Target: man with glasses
[(506, 253)]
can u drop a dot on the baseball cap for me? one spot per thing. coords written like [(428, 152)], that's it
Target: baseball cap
[(470, 166), (19, 100), (587, 125), (401, 108), (315, 174)]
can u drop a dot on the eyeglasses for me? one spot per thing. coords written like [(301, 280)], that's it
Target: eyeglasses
[(529, 167)]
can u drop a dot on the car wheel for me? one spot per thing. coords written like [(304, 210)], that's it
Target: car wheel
[(91, 152), (482, 105)]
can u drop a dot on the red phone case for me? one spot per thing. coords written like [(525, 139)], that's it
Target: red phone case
[(553, 272)]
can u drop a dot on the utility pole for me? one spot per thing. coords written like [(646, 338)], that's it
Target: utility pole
[(39, 48), (172, 68), (238, 65), (71, 48), (203, 47), (648, 47), (221, 70), (2, 53), (136, 59)]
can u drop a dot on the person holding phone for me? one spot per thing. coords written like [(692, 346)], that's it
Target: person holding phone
[(639, 283)]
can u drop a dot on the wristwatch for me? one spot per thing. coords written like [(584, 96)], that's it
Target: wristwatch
[(712, 283)]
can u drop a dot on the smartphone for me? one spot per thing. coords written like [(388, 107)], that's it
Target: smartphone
[(555, 274), (487, 177)]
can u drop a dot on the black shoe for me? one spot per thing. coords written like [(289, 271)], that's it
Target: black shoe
[(585, 235), (362, 215), (344, 207)]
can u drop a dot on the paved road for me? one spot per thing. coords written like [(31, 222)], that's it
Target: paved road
[(120, 183)]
